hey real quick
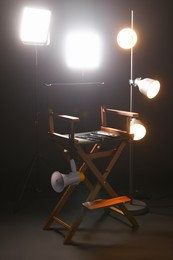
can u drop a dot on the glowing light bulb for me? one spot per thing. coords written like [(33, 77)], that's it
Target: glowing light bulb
[(127, 38), (137, 128)]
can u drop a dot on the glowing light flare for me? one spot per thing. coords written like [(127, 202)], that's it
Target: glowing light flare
[(127, 38), (138, 129), (83, 50), (35, 25)]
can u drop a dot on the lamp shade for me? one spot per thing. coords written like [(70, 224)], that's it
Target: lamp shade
[(137, 128), (148, 87), (127, 38)]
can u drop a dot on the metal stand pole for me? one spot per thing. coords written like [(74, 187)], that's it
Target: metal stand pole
[(34, 163), (135, 207)]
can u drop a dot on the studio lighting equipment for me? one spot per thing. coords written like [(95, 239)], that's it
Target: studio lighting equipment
[(126, 39), (137, 129), (83, 50), (35, 26), (35, 31), (147, 87)]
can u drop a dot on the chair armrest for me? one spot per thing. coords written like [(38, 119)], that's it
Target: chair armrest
[(72, 120), (69, 118), (122, 112)]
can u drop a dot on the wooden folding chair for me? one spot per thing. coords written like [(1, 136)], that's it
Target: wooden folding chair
[(107, 142)]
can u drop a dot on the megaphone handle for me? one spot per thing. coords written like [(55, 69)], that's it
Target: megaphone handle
[(73, 165)]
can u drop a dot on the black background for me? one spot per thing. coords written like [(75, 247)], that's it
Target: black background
[(20, 100)]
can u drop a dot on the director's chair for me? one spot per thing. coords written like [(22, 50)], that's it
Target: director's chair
[(107, 142)]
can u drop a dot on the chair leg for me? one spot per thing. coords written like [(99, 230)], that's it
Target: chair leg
[(74, 226), (58, 206), (93, 191), (102, 183)]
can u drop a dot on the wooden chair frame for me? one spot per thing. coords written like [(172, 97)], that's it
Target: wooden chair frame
[(72, 143)]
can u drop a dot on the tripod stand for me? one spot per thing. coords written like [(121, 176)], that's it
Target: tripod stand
[(34, 163)]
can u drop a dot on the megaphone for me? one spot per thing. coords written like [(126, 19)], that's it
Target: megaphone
[(59, 181)]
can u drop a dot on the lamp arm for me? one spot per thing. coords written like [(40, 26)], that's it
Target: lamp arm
[(134, 82), (131, 82)]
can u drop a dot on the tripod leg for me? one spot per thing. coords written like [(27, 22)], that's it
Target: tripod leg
[(29, 169)]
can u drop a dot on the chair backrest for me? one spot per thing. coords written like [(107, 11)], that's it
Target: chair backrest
[(105, 123)]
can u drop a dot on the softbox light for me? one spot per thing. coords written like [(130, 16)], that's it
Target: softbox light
[(83, 50), (35, 25)]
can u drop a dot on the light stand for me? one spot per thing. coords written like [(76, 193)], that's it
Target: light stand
[(26, 38), (34, 163), (136, 207), (148, 87)]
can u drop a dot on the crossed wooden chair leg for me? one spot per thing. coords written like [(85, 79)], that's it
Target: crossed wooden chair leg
[(114, 202)]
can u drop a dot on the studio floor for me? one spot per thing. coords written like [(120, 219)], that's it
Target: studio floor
[(99, 236)]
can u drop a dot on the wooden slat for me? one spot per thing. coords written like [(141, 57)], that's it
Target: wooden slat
[(61, 222), (123, 113), (100, 203), (69, 118), (119, 132)]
